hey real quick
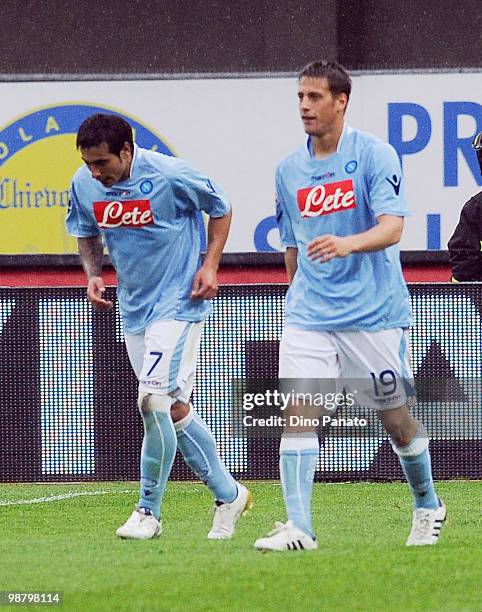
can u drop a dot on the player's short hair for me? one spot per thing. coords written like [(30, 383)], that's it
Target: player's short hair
[(338, 78), (99, 128)]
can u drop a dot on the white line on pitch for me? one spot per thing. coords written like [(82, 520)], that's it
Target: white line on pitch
[(42, 500)]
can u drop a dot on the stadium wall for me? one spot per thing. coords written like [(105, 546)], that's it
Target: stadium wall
[(177, 36), (235, 269)]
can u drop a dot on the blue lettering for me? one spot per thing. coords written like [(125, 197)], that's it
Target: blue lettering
[(433, 232), (261, 234), (396, 112), (452, 142)]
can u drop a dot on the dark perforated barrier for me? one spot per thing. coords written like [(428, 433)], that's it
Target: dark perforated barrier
[(68, 396)]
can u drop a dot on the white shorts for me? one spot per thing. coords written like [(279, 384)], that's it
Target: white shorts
[(164, 357), (374, 366)]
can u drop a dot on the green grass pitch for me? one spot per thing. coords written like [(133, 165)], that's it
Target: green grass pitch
[(362, 563)]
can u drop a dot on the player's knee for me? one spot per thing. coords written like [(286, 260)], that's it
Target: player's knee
[(409, 444), (400, 426), (399, 433), (152, 402), (179, 410)]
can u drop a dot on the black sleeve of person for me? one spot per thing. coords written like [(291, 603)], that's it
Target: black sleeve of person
[(466, 243)]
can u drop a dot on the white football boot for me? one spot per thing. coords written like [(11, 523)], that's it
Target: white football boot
[(141, 525), (226, 515), (285, 536), (426, 526)]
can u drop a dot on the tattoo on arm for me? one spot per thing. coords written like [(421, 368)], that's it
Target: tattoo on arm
[(91, 251)]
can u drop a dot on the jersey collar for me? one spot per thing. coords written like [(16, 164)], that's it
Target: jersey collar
[(347, 129)]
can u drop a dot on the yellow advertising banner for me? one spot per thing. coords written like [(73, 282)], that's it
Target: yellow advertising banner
[(38, 158)]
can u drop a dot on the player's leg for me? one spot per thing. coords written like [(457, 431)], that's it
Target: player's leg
[(157, 456), (159, 442), (382, 360), (196, 441), (198, 447), (410, 443), (303, 355)]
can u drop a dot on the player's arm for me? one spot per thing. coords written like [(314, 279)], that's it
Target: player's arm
[(285, 228), (196, 192), (387, 204), (386, 232), (91, 251), (205, 284), (291, 262)]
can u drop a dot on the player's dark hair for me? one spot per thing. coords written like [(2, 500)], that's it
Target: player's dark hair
[(338, 78), (99, 128)]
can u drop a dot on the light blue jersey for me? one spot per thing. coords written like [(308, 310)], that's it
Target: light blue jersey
[(343, 195), (151, 226)]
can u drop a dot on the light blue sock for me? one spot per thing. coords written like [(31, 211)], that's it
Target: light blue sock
[(198, 447), (415, 461), (298, 457), (157, 456)]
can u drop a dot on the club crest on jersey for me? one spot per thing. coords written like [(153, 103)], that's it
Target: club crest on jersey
[(326, 199), (130, 213)]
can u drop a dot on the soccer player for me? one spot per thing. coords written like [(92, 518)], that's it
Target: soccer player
[(340, 210), (465, 246), (146, 206)]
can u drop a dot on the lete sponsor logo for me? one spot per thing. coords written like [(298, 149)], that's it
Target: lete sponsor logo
[(326, 199), (132, 213)]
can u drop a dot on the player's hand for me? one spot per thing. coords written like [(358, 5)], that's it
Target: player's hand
[(325, 248), (95, 290), (205, 284)]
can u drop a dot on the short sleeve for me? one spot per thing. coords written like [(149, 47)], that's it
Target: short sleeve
[(79, 223), (283, 220), (199, 193), (386, 184)]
